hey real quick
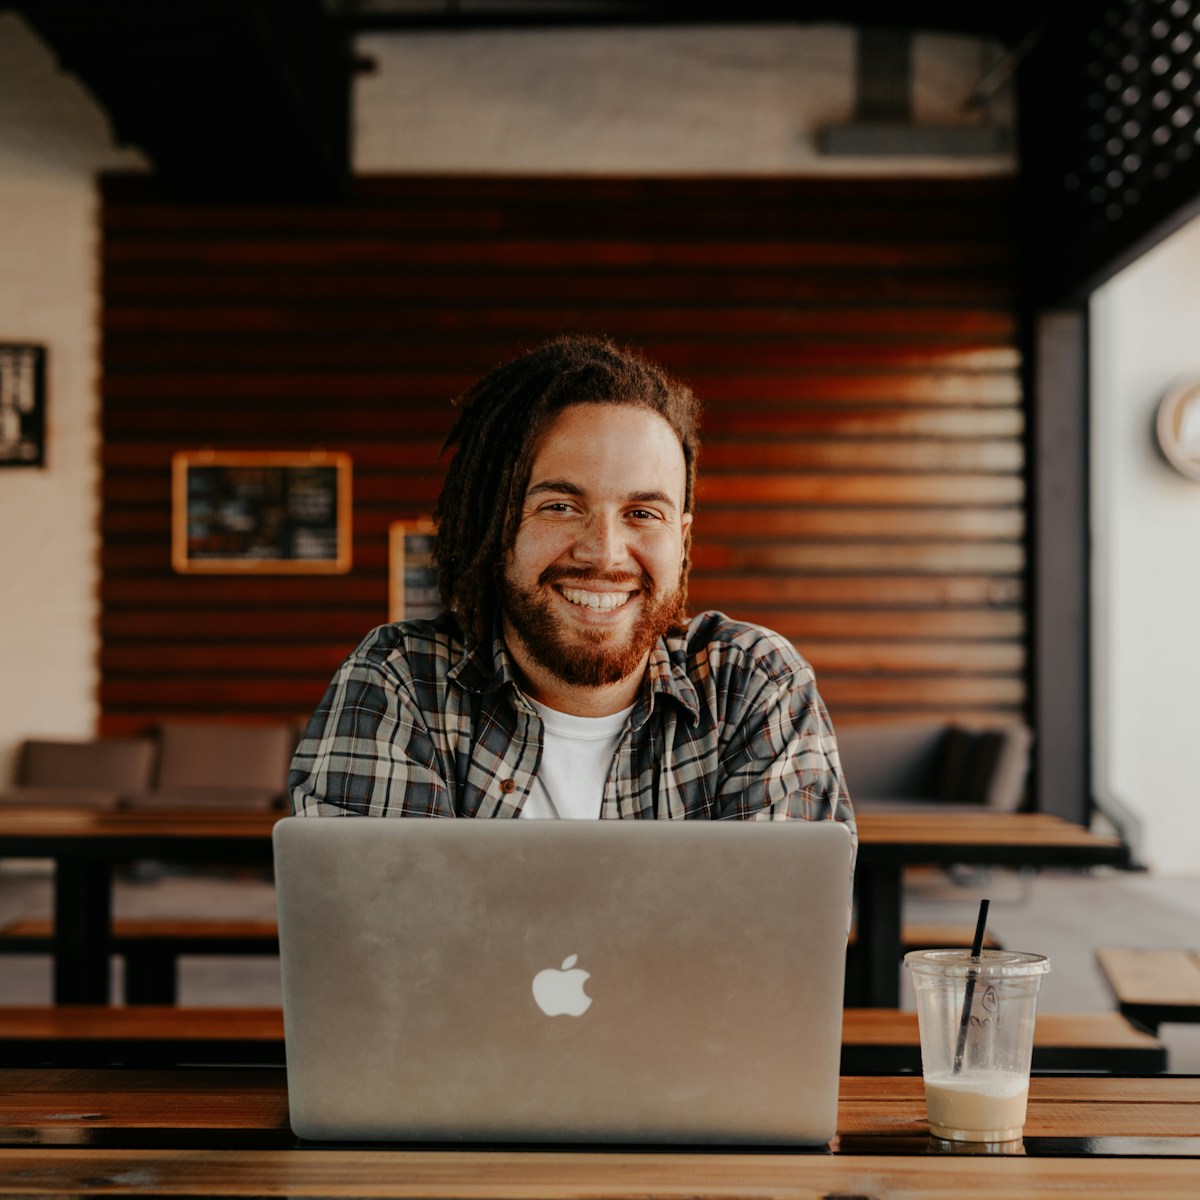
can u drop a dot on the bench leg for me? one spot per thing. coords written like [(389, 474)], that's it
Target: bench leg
[(82, 907), (879, 950), (150, 977)]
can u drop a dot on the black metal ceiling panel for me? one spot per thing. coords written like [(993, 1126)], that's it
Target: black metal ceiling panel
[(1110, 139), (230, 99), (1008, 23)]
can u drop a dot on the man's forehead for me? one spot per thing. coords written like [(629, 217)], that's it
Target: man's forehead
[(591, 420), (624, 450), (564, 486)]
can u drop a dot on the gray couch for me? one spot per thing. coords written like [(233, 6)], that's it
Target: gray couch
[(935, 763), (185, 766)]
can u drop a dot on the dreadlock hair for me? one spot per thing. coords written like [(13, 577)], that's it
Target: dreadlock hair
[(497, 428)]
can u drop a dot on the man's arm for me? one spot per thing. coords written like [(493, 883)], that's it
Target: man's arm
[(781, 761), (367, 751)]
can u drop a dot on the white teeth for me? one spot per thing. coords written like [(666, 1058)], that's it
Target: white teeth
[(598, 601)]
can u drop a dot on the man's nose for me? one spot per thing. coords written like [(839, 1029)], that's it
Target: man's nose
[(601, 541)]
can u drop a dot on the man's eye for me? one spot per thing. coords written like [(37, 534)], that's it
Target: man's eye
[(644, 514)]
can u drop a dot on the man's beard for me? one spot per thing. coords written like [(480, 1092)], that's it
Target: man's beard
[(586, 657)]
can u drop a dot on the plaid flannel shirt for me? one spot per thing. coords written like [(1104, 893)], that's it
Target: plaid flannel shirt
[(728, 724)]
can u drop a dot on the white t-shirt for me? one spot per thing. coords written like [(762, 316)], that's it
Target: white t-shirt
[(577, 755)]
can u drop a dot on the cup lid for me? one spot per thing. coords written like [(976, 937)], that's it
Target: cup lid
[(995, 963)]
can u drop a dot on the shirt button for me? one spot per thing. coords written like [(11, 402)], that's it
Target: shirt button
[(508, 785)]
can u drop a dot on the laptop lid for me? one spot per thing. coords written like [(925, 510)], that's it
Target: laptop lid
[(563, 981)]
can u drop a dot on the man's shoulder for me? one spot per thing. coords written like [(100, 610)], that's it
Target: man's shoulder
[(714, 641), (434, 644)]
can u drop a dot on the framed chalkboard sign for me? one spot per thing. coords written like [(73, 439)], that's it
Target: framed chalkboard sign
[(412, 576), (280, 513)]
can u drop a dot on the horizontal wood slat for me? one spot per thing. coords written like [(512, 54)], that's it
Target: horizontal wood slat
[(392, 402), (894, 593), (228, 659), (478, 287), (853, 342), (993, 557), (264, 624), (662, 253)]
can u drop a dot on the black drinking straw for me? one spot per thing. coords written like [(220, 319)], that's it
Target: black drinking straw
[(976, 952)]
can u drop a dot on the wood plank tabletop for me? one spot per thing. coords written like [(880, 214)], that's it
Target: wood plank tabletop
[(982, 827), (146, 1022), (76, 823), (953, 826), (141, 1022), (516, 1175), (53, 1127), (256, 1098)]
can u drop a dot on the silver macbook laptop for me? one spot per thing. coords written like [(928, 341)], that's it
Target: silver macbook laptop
[(563, 981)]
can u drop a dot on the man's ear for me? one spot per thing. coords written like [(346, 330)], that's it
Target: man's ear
[(685, 525)]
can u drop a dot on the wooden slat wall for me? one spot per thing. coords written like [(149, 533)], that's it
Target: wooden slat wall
[(854, 342)]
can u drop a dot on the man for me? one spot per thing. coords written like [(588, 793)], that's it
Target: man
[(564, 679)]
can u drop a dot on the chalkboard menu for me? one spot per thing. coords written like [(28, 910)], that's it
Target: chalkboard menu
[(280, 513), (412, 576)]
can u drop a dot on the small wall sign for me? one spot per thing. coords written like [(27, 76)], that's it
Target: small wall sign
[(412, 574), (278, 513), (22, 405)]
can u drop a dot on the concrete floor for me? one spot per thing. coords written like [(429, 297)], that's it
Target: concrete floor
[(1066, 915)]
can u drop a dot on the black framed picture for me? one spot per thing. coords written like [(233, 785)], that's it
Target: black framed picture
[(22, 405)]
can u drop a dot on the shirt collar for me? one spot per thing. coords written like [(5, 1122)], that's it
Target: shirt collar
[(488, 668), (666, 675)]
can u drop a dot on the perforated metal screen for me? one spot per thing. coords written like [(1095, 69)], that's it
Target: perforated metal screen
[(1111, 127)]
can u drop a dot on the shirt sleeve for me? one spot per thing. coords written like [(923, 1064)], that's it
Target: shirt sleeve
[(367, 750), (781, 761)]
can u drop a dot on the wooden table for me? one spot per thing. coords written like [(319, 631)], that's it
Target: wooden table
[(875, 1041), (224, 1132), (85, 845), (891, 840)]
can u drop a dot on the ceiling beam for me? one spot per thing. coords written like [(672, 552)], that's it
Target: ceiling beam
[(1008, 22), (229, 99)]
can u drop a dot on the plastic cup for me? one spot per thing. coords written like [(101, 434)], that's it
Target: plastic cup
[(976, 1017)]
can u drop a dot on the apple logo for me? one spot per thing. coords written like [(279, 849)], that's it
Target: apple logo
[(559, 991)]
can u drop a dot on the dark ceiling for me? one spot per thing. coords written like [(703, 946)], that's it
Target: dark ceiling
[(250, 99)]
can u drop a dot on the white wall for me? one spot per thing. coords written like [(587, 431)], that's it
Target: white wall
[(53, 140), (1146, 554), (691, 99)]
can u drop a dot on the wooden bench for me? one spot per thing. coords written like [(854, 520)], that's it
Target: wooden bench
[(874, 1041), (1153, 986), (144, 1036), (151, 947), (933, 937), (884, 1041), (913, 937)]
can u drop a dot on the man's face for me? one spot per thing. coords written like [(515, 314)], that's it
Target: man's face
[(592, 580)]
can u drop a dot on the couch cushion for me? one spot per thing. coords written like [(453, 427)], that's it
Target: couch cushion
[(959, 781), (1003, 764), (893, 762), (199, 799), (219, 755), (110, 764), (34, 796), (986, 766)]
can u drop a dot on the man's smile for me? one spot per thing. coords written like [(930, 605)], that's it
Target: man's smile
[(596, 601)]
